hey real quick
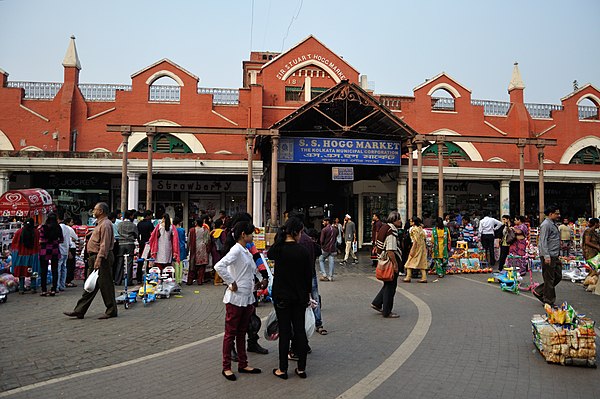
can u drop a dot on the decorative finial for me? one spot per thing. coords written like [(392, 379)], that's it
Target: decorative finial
[(73, 37)]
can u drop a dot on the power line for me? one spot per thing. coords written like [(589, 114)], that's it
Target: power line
[(290, 25)]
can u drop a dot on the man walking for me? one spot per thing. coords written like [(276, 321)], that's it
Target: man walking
[(101, 256), (327, 241), (145, 229), (128, 233), (350, 238), (549, 248), (566, 237), (487, 227)]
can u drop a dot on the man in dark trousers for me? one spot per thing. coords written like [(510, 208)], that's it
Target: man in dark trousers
[(128, 233), (101, 256), (145, 229), (549, 248)]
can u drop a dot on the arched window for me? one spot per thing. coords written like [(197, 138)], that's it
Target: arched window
[(442, 100), (164, 143), (449, 150), (587, 156), (588, 109), (165, 89)]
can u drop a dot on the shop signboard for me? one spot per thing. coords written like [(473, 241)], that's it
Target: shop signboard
[(343, 173), (338, 151)]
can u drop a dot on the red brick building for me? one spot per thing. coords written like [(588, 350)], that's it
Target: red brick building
[(54, 136)]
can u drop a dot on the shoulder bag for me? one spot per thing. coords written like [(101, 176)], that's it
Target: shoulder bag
[(385, 267)]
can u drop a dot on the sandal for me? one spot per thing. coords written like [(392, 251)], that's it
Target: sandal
[(52, 293), (71, 285), (44, 294), (321, 330)]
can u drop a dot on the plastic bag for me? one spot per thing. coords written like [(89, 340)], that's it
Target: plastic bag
[(354, 246), (594, 262), (272, 327), (309, 322), (90, 282)]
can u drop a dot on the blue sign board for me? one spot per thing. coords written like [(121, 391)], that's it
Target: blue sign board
[(338, 151)]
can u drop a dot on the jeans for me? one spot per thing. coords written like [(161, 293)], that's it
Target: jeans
[(331, 256), (44, 273), (237, 319), (315, 296), (487, 242), (291, 328), (62, 272)]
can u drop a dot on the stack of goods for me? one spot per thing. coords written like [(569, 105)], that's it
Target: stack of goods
[(564, 337)]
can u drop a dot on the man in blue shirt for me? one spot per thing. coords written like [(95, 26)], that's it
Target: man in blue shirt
[(549, 248)]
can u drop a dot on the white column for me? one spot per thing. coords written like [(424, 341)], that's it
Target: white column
[(134, 187), (258, 203), (307, 89), (504, 197), (596, 211), (4, 179), (401, 200)]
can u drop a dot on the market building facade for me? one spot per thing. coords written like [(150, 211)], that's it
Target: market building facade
[(57, 136)]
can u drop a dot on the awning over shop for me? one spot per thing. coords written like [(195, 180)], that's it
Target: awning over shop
[(30, 202)]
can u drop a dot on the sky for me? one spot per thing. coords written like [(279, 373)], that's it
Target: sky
[(397, 44)]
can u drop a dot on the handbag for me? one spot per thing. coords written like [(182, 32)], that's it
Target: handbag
[(511, 236), (385, 268)]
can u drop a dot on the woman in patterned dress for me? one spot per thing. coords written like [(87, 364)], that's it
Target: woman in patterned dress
[(417, 257), (519, 246), (199, 246), (25, 255)]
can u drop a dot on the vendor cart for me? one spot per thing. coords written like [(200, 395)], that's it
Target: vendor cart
[(34, 202)]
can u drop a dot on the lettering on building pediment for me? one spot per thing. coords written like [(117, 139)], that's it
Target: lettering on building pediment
[(314, 58)]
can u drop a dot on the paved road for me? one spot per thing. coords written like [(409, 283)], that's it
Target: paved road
[(456, 338)]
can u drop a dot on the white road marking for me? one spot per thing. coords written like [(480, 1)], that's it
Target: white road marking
[(385, 370)]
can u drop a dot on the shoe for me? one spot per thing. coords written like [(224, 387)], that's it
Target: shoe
[(301, 374), (256, 348), (229, 377), (106, 316), (330, 278), (376, 308), (404, 280), (44, 294), (355, 262), (392, 316), (52, 293), (538, 296), (343, 262), (323, 278), (74, 314), (423, 281), (251, 371), (292, 356), (283, 376), (321, 330)]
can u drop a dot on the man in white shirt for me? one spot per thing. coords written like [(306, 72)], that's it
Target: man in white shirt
[(72, 253), (68, 234), (486, 229)]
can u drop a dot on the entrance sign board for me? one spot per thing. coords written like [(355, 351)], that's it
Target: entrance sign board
[(338, 151), (342, 173)]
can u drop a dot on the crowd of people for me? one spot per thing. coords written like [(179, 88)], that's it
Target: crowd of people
[(228, 244)]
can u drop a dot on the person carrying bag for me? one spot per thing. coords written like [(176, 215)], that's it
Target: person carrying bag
[(388, 261)]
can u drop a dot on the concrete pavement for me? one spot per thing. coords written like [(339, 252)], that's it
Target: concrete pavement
[(477, 343)]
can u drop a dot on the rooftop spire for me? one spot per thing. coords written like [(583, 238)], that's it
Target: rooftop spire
[(516, 82), (71, 58)]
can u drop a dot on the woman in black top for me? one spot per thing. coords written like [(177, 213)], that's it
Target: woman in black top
[(292, 285)]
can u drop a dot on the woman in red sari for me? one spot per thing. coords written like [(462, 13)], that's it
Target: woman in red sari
[(25, 249)]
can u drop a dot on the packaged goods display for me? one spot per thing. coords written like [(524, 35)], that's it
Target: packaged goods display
[(564, 337)]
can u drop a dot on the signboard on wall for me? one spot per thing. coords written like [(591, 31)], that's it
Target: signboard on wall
[(339, 151), (343, 173)]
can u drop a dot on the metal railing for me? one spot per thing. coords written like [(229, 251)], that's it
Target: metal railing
[(165, 93), (587, 113), (492, 108), (222, 96), (542, 110), (37, 90), (101, 92), (395, 102), (442, 103)]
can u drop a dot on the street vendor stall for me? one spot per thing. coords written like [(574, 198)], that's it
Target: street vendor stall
[(33, 202)]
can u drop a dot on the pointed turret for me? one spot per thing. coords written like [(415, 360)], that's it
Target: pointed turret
[(516, 82), (71, 57)]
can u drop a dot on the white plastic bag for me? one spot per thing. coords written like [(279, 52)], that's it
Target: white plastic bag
[(309, 322), (90, 282), (272, 327), (354, 247)]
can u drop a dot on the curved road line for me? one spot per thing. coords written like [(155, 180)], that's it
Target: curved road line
[(385, 370)]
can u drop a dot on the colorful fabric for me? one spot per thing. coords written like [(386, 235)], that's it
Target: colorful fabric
[(198, 241), (441, 239), (158, 248), (519, 247), (49, 249), (593, 237), (25, 261)]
